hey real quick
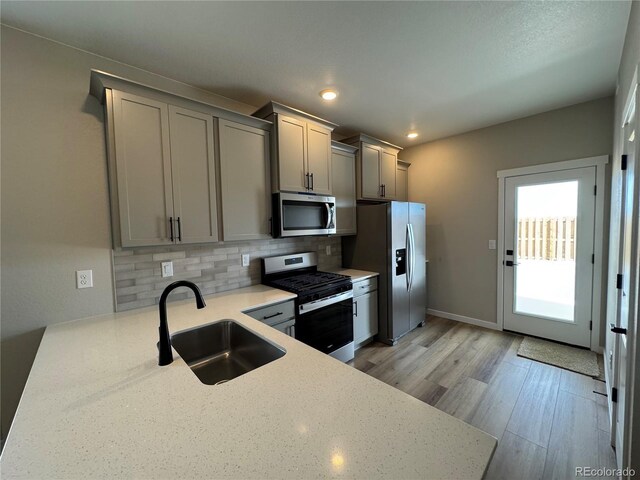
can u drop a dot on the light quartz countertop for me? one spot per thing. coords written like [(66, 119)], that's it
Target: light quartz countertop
[(97, 405), (356, 275)]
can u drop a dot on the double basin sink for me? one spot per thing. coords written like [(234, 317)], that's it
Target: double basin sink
[(221, 351)]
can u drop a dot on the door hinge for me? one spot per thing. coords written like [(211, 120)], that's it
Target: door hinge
[(623, 162), (593, 258), (591, 325), (595, 189), (619, 281), (614, 395)]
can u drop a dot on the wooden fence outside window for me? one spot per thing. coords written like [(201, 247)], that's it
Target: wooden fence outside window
[(547, 238)]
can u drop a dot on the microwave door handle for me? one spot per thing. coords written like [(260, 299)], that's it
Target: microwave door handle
[(326, 205)]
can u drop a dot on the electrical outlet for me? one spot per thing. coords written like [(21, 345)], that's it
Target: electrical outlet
[(167, 269), (328, 249), (492, 244), (245, 260), (84, 278)]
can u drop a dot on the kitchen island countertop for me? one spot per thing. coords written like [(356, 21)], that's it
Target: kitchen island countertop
[(97, 405)]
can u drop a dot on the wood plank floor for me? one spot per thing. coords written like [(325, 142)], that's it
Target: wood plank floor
[(548, 421)]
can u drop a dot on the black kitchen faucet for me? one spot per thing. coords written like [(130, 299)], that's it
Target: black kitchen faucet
[(165, 356)]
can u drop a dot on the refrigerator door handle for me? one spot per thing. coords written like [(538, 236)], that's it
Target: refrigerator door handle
[(412, 258), (408, 256)]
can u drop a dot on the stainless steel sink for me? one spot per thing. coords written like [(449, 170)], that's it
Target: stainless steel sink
[(221, 351)]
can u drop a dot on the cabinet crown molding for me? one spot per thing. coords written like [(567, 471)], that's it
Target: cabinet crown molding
[(362, 137), (275, 107), (335, 145), (100, 81)]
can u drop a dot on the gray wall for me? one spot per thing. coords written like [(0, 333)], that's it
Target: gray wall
[(54, 197), (629, 62), (456, 178)]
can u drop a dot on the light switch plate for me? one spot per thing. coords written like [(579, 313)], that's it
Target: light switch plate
[(245, 260), (84, 278), (167, 269), (492, 244)]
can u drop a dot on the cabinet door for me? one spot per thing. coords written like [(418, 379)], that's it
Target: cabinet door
[(194, 176), (245, 182), (370, 171), (402, 183), (319, 159), (343, 172), (292, 154), (388, 170), (143, 169), (365, 317), (372, 310)]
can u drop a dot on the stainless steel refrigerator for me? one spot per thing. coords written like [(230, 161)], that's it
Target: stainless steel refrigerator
[(391, 241)]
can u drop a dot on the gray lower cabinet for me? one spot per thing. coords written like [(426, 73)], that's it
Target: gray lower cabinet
[(343, 171), (244, 181), (365, 310), (280, 316), (164, 170)]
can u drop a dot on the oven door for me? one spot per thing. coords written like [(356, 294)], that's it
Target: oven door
[(299, 214), (327, 328)]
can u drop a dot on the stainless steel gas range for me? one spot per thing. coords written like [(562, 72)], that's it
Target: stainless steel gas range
[(324, 306)]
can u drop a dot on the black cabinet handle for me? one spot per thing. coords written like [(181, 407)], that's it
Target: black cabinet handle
[(171, 228), (179, 230), (615, 329), (384, 190), (355, 304), (312, 181), (271, 316)]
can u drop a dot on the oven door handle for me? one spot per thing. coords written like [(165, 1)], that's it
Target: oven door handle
[(325, 302)]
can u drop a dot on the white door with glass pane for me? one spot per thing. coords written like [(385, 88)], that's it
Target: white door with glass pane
[(549, 243)]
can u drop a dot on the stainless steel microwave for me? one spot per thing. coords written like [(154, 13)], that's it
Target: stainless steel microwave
[(299, 214)]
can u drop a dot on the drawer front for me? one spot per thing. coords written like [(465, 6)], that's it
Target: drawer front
[(274, 314), (365, 286)]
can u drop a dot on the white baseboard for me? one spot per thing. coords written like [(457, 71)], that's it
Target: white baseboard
[(462, 318)]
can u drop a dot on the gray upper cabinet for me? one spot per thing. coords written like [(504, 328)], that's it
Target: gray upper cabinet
[(292, 153), (376, 168), (343, 172), (245, 182), (165, 172), (164, 157), (142, 169), (194, 176), (301, 160), (402, 181), (319, 159)]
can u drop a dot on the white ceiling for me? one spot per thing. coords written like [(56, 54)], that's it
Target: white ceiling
[(440, 68)]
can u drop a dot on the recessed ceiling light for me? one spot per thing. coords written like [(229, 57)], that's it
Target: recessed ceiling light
[(412, 135), (328, 94)]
